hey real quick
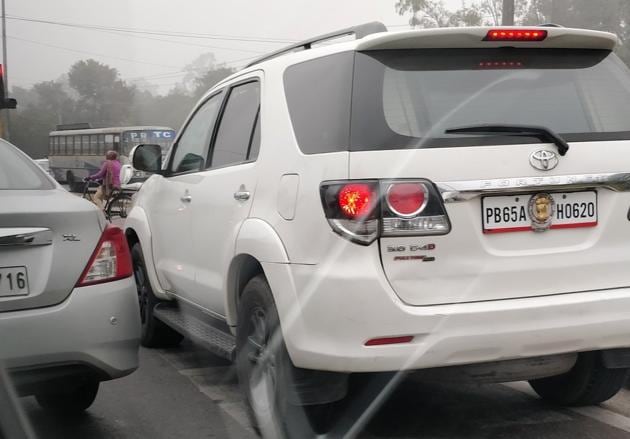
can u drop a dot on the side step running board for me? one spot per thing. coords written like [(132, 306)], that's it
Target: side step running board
[(216, 341)]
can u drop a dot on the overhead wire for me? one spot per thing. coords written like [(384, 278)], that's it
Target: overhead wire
[(177, 34), (89, 52), (137, 34)]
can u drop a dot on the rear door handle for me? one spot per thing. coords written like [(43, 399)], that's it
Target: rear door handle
[(186, 198), (241, 195)]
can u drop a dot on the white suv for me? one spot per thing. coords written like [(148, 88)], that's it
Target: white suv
[(402, 201)]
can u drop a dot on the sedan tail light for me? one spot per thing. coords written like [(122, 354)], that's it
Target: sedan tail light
[(110, 261), (361, 211)]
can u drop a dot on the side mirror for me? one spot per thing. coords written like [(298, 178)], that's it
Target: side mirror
[(147, 158)]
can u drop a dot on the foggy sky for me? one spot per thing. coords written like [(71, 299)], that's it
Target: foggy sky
[(35, 60)]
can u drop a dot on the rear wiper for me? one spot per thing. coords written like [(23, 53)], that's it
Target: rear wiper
[(542, 133)]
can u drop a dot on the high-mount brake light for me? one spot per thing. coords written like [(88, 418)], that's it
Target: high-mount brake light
[(516, 35), (361, 211), (500, 65), (110, 261)]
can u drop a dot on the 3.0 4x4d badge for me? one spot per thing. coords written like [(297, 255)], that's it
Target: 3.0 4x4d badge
[(541, 208)]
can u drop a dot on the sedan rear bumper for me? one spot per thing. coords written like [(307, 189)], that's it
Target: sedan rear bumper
[(97, 329)]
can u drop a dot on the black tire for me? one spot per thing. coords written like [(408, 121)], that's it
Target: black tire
[(70, 399), (587, 383), (155, 333), (265, 370), (119, 206)]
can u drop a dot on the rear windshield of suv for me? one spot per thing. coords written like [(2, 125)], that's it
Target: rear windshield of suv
[(18, 172), (408, 98)]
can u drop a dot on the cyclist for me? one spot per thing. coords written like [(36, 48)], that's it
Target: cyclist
[(109, 177)]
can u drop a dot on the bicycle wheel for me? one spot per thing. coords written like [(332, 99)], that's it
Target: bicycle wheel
[(118, 206)]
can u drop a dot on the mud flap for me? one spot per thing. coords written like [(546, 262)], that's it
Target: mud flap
[(616, 358)]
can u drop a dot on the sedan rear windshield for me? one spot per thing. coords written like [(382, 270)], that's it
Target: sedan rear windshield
[(18, 172), (394, 99)]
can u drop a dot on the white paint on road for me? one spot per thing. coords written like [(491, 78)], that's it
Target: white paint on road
[(219, 384), (597, 413)]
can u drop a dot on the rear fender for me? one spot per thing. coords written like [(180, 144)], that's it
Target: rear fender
[(259, 240), (138, 222)]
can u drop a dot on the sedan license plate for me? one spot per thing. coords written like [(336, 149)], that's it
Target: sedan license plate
[(13, 281), (539, 212)]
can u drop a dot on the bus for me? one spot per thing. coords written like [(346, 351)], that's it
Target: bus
[(75, 153)]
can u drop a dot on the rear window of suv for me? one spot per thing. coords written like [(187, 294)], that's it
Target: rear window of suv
[(408, 98), (18, 172)]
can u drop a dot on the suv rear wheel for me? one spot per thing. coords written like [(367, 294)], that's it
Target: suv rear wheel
[(154, 332), (265, 371), (587, 383)]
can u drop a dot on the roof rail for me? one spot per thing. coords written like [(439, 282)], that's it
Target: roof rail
[(550, 25), (359, 32)]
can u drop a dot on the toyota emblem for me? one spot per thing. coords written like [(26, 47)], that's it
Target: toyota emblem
[(543, 160)]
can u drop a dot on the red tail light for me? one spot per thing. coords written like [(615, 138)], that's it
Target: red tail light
[(516, 35), (389, 340), (407, 199), (410, 208), (356, 200), (110, 261)]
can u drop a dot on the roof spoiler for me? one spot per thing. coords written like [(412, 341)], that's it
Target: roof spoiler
[(359, 32)]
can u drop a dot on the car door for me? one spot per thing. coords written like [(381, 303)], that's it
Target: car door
[(170, 200), (224, 194)]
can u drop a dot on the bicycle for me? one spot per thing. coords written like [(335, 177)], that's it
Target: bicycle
[(117, 205)]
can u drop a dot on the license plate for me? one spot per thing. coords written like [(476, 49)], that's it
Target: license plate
[(539, 212), (13, 281)]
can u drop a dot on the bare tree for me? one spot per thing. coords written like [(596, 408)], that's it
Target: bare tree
[(493, 9)]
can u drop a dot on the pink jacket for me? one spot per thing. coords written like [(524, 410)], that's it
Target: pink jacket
[(115, 167)]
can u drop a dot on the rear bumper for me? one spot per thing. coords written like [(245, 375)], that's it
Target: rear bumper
[(95, 331), (328, 312)]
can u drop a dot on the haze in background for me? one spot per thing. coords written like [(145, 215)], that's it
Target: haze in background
[(36, 60), (146, 62)]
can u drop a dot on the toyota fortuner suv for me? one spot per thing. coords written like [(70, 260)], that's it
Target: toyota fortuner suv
[(399, 202)]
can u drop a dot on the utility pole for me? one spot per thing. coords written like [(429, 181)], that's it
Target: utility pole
[(6, 119), (507, 16)]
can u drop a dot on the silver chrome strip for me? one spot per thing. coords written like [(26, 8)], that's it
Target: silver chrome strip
[(456, 191), (13, 237)]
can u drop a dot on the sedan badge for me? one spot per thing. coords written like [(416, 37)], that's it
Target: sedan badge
[(543, 160)]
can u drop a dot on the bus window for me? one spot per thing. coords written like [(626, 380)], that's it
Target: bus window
[(116, 143), (93, 145), (101, 144), (51, 150), (109, 142), (62, 145), (70, 145), (85, 145)]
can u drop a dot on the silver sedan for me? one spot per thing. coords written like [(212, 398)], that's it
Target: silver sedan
[(68, 302)]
